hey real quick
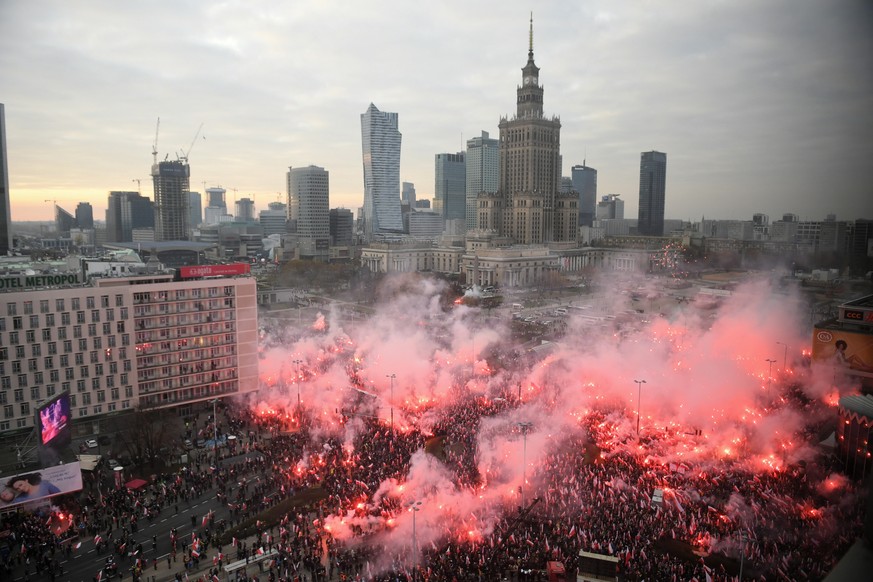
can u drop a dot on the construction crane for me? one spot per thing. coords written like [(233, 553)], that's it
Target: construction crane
[(184, 156), (138, 185), (155, 144)]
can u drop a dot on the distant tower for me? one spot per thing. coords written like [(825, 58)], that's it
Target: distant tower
[(274, 220), (381, 152), (342, 226), (85, 215), (245, 210), (215, 196), (171, 200), (195, 208), (450, 186), (127, 211), (653, 182), (309, 210), (407, 194), (585, 183), (529, 208), (483, 172), (5, 214)]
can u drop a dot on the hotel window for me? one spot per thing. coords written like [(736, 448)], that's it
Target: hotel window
[(119, 300), (59, 304), (36, 350), (13, 337), (98, 343), (65, 360), (113, 394), (95, 383), (6, 382), (124, 313), (98, 370), (69, 374), (46, 335), (19, 353), (49, 390), (94, 357), (80, 359), (77, 331), (34, 321), (92, 329), (19, 395), (54, 376), (110, 314), (25, 409), (65, 318), (34, 393), (31, 365), (89, 302), (83, 344), (17, 323), (11, 309), (68, 346), (28, 307), (80, 385), (8, 411), (86, 398), (107, 328), (104, 301), (43, 305), (80, 317), (30, 335), (95, 316), (50, 319)]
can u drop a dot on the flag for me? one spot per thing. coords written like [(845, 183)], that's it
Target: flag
[(572, 531), (97, 540), (233, 542), (261, 551), (99, 575), (79, 545)]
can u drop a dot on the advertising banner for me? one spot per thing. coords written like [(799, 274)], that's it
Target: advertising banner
[(53, 421), (850, 351), (40, 484), (214, 270)]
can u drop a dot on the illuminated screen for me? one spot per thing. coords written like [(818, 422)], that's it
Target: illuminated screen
[(53, 419)]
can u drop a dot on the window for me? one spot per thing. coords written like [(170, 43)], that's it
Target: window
[(46, 335), (19, 395), (113, 394), (66, 388), (69, 374), (68, 346), (80, 359), (48, 363), (83, 371), (98, 343), (34, 321), (77, 331), (65, 318), (80, 385), (92, 329), (95, 383), (94, 357), (34, 393), (11, 309), (125, 339), (119, 300), (110, 381), (43, 305), (4, 353), (101, 396), (22, 380), (37, 378), (54, 375), (110, 314), (104, 301), (17, 323), (83, 412), (49, 390), (62, 333), (59, 305), (6, 382), (83, 344), (65, 360), (19, 352), (8, 411), (113, 368), (13, 337), (111, 342), (31, 365), (124, 313), (28, 307), (30, 335), (25, 408), (86, 398), (80, 317), (89, 302), (95, 315), (107, 328)]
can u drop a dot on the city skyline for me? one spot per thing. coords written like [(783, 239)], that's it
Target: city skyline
[(761, 107)]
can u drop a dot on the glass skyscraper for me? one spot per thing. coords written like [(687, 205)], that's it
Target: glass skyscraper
[(381, 151), (653, 182), (483, 172), (450, 186)]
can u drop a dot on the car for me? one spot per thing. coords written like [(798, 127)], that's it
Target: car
[(91, 444), (104, 440), (113, 463)]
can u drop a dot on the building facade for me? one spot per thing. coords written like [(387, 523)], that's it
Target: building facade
[(309, 210), (342, 227), (584, 180), (381, 154), (120, 343), (407, 194), (482, 173), (195, 209), (528, 202), (450, 186), (85, 215), (653, 184), (171, 200), (125, 212)]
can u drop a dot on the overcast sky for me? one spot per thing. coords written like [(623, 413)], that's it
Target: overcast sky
[(760, 105)]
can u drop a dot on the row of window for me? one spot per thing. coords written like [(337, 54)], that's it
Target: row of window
[(181, 294), (60, 304)]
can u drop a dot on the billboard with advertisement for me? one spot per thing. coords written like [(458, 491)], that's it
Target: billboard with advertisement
[(214, 270), (53, 421), (40, 484), (851, 351)]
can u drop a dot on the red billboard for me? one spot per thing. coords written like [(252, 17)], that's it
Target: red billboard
[(214, 270)]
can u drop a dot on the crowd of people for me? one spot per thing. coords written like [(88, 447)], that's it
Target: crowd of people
[(658, 520)]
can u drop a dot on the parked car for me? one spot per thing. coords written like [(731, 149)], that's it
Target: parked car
[(91, 444), (113, 463)]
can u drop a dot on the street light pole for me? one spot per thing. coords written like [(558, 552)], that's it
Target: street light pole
[(414, 506), (391, 377), (215, 430), (784, 355), (769, 375), (525, 427), (639, 397), (297, 381)]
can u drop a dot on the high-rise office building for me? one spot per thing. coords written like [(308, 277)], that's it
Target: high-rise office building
[(64, 221), (610, 207), (529, 207), (407, 194), (483, 172), (342, 226), (245, 210), (215, 197), (84, 215), (309, 210), (125, 212), (585, 183), (5, 214), (171, 200), (274, 220), (450, 186), (653, 182), (381, 152), (195, 209)]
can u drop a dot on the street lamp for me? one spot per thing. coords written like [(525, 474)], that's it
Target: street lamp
[(784, 354), (215, 430), (769, 374), (391, 377), (297, 380), (414, 506), (525, 427), (639, 396)]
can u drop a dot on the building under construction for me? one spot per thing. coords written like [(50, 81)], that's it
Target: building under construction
[(171, 180)]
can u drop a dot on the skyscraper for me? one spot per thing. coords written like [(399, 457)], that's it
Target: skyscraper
[(381, 152), (171, 200), (84, 215), (195, 209), (529, 207), (5, 214), (653, 181), (450, 186), (585, 183), (245, 210), (342, 227), (125, 212), (483, 171), (309, 210), (407, 194)]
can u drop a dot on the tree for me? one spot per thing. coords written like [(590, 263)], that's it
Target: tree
[(145, 432)]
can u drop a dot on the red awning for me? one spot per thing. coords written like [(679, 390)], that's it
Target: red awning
[(135, 484)]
